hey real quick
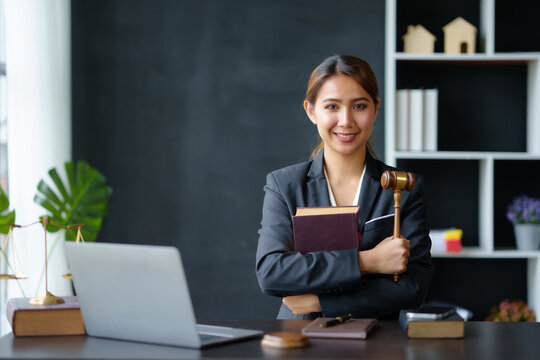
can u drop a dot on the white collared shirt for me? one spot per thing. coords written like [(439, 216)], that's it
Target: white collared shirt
[(356, 197)]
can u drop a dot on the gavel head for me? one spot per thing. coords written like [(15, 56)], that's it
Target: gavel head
[(397, 180)]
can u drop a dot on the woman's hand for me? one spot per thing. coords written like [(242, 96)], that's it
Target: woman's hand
[(390, 256), (303, 304)]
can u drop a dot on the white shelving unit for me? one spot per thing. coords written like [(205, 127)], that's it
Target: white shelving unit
[(486, 160)]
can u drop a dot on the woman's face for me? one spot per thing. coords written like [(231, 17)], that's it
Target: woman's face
[(344, 114)]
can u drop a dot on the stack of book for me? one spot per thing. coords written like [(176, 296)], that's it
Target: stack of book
[(416, 119)]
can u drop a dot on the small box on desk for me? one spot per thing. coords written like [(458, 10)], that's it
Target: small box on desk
[(45, 320)]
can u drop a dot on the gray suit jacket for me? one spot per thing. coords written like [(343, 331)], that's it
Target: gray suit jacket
[(335, 275)]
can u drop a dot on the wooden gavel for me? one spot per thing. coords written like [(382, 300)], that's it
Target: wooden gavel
[(397, 181)]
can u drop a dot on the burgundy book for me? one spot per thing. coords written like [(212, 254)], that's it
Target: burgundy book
[(326, 228)]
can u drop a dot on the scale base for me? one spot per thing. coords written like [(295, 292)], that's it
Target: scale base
[(47, 299)]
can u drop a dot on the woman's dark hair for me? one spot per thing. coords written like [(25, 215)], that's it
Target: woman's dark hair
[(348, 65)]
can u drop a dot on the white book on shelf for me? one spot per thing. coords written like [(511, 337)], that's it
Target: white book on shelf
[(430, 119), (416, 134), (402, 119)]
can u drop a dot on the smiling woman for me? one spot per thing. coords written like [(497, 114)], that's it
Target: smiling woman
[(342, 101)]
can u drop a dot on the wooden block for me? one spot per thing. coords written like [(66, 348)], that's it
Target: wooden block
[(284, 340)]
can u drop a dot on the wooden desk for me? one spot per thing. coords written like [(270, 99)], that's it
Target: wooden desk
[(483, 340)]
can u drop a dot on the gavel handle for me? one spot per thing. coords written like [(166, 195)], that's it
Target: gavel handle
[(397, 222)]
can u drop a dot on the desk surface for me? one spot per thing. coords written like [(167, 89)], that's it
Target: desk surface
[(483, 340)]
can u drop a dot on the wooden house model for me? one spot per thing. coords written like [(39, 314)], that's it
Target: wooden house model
[(459, 37), (418, 40)]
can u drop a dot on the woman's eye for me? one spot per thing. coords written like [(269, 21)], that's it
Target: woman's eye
[(331, 107), (360, 106)]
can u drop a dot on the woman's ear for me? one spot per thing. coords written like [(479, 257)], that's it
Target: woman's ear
[(309, 111), (377, 106)]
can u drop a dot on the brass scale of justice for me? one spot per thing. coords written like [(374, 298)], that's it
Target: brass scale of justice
[(47, 298)]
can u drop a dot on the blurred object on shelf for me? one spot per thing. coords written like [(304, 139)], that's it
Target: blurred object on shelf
[(446, 240), (512, 311), (418, 40), (524, 213), (459, 37)]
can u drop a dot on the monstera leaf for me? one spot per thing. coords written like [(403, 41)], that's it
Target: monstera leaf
[(83, 200), (6, 217)]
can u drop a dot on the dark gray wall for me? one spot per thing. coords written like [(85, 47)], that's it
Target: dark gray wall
[(186, 105)]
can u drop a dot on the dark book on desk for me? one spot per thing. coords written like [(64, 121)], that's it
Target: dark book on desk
[(45, 320), (325, 228), (352, 329), (451, 327)]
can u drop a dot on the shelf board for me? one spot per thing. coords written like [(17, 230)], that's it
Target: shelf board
[(477, 253), (465, 155), (478, 57)]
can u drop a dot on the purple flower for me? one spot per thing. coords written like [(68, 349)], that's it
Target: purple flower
[(524, 210)]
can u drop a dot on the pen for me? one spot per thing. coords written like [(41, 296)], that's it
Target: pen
[(338, 320)]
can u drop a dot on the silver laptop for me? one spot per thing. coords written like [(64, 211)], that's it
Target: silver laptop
[(140, 293)]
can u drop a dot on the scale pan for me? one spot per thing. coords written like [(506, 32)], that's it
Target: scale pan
[(13, 276)]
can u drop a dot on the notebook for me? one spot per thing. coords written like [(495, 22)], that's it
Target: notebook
[(352, 329), (140, 293)]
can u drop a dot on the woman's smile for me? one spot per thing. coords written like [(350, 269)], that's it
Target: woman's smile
[(345, 137)]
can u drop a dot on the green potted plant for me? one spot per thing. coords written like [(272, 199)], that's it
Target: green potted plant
[(82, 200), (524, 213)]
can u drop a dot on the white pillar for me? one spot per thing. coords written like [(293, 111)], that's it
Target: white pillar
[(38, 70)]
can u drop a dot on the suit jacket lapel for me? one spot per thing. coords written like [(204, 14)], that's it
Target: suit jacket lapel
[(317, 189), (370, 189)]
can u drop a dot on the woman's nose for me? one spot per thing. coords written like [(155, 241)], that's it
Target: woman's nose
[(345, 118)]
